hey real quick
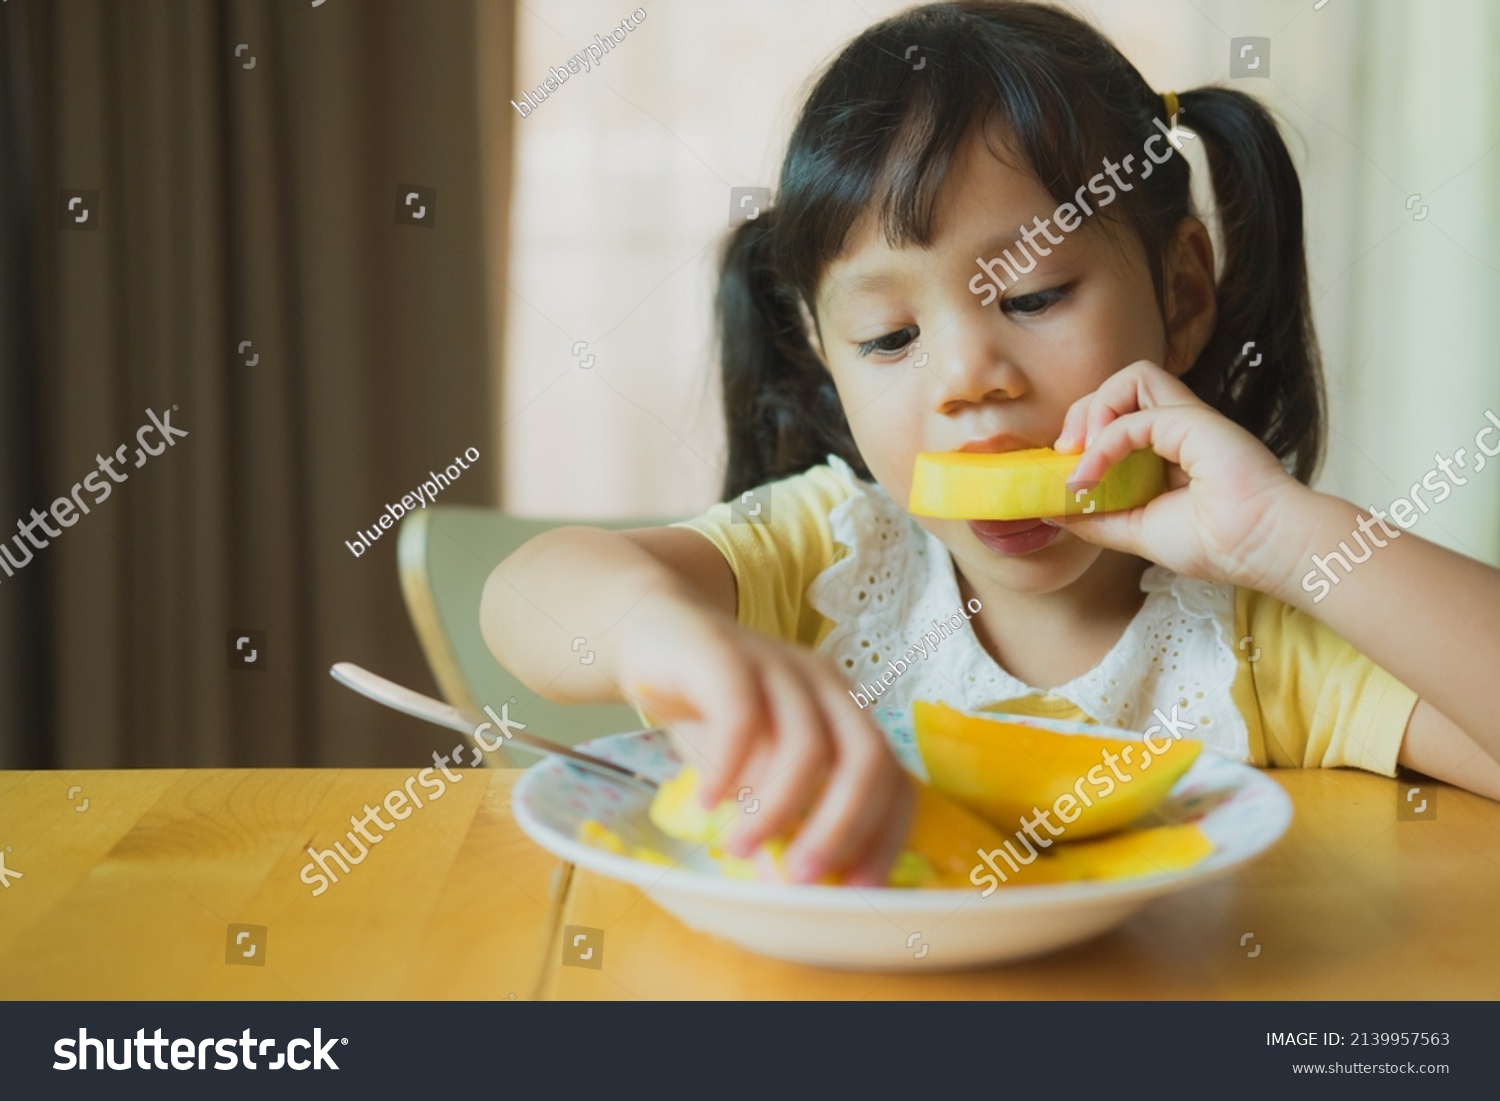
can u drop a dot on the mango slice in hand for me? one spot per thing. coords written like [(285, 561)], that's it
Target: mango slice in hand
[(1005, 772), (1027, 485)]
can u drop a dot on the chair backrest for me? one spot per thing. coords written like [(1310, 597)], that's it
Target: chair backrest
[(445, 553)]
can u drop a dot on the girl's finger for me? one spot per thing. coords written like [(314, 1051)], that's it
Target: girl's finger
[(1162, 429), (792, 765), (859, 792), (1121, 393), (872, 868), (744, 789), (844, 822), (1138, 386), (1144, 385), (1070, 438), (718, 717), (1141, 385), (1120, 531)]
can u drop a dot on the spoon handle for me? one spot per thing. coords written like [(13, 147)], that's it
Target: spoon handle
[(418, 706)]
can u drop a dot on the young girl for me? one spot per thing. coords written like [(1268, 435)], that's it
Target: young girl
[(884, 307)]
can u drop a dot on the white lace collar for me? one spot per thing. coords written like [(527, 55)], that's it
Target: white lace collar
[(897, 584)]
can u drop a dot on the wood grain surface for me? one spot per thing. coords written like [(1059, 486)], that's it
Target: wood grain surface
[(133, 898)]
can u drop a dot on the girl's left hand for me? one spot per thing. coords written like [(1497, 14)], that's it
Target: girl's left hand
[(1226, 495)]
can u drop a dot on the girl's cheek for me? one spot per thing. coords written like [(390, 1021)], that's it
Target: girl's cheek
[(889, 427), (890, 451)]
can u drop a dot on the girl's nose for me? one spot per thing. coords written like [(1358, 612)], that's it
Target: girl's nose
[(970, 365)]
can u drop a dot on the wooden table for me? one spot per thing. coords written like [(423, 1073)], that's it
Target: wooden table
[(133, 898)]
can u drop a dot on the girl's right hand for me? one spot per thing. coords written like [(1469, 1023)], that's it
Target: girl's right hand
[(776, 718)]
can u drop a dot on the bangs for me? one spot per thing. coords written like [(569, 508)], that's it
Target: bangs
[(885, 123)]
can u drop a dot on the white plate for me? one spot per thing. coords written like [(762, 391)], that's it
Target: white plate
[(1240, 810)]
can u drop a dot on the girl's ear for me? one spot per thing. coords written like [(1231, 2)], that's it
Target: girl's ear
[(1191, 306)]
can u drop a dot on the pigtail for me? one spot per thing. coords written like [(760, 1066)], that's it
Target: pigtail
[(1263, 288), (782, 411)]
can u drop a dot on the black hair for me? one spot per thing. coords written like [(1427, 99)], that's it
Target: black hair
[(880, 129)]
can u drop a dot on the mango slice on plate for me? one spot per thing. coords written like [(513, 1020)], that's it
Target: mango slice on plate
[(1005, 772), (1135, 852), (1129, 853), (942, 843), (1027, 485)]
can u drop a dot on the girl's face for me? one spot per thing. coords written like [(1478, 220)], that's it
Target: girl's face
[(921, 365)]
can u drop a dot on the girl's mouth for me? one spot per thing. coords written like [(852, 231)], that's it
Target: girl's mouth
[(1014, 537)]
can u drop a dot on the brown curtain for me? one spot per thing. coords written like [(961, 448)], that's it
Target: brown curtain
[(250, 161)]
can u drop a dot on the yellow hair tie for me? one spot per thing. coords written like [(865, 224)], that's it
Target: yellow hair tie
[(1169, 101)]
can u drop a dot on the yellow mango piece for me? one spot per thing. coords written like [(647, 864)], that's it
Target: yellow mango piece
[(1135, 852), (735, 867), (1119, 856), (767, 863), (1027, 485), (595, 833), (677, 811), (946, 838), (1005, 772), (910, 870)]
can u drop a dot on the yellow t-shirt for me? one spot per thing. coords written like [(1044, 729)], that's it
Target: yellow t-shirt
[(1308, 698)]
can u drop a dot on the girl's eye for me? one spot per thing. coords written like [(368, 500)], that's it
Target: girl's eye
[(887, 346), (1029, 305)]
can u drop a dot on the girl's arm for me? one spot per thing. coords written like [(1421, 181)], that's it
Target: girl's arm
[(1428, 616), (757, 715), (578, 582)]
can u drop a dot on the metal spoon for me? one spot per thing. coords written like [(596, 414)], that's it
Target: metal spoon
[(419, 706)]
